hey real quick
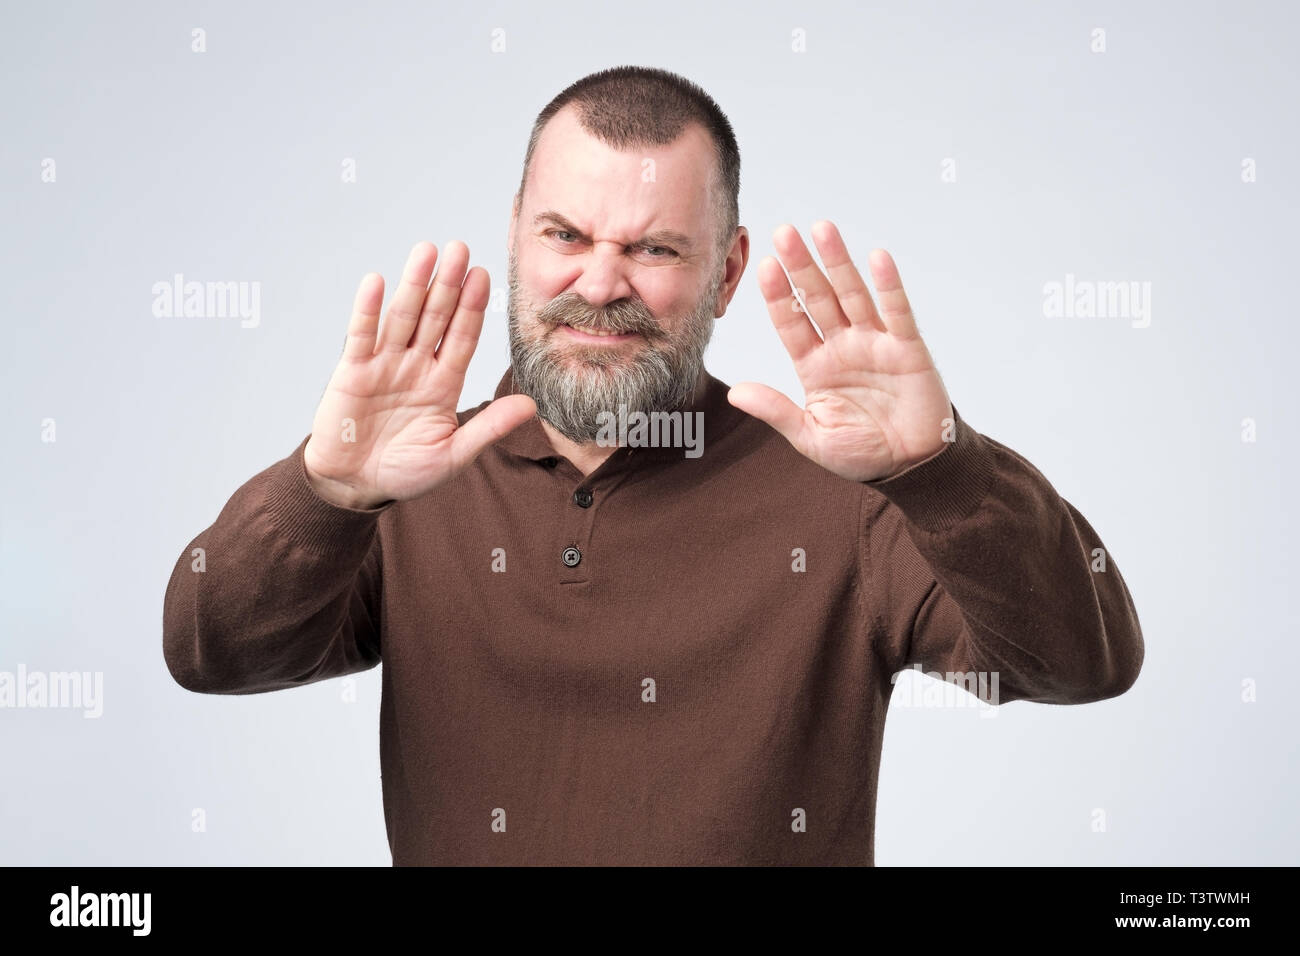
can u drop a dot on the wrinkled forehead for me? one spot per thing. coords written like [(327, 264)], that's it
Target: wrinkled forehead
[(622, 194)]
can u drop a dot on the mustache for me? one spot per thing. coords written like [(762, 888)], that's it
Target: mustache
[(622, 317)]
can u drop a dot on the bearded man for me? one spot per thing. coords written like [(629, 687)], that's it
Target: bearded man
[(621, 653)]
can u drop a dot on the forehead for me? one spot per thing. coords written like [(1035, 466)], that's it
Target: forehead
[(620, 194)]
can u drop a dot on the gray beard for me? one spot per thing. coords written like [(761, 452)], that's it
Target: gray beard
[(660, 377)]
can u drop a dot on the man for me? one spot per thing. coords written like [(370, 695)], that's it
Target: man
[(652, 644)]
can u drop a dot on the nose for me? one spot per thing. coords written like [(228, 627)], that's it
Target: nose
[(604, 277)]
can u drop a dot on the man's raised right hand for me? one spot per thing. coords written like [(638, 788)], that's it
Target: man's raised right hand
[(386, 428)]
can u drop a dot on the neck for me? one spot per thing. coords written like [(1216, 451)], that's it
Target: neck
[(586, 456)]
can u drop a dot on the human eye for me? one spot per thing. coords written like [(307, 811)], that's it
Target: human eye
[(664, 252), (563, 232)]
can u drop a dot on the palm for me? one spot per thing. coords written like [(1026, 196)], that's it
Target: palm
[(873, 401), (386, 426), (408, 418)]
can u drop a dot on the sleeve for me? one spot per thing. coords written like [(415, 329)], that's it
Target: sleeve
[(978, 567), (283, 589)]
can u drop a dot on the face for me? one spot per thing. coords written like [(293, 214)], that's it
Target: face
[(614, 281)]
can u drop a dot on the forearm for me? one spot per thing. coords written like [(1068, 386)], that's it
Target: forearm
[(1026, 587), (281, 590)]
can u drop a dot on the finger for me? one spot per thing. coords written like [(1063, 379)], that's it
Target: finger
[(490, 425), (462, 333), (364, 324), (792, 325), (895, 311), (806, 276), (404, 309), (440, 303), (768, 405), (851, 291)]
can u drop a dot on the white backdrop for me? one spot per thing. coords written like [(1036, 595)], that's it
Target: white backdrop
[(994, 149)]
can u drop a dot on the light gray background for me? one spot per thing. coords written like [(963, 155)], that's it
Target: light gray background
[(225, 166)]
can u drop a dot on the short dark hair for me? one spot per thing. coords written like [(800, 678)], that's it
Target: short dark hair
[(629, 106)]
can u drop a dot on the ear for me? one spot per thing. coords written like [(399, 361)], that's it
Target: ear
[(734, 267), (514, 218)]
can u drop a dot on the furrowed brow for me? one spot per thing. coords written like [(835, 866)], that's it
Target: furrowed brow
[(659, 237)]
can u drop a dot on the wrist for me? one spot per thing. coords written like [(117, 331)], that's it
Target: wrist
[(339, 493)]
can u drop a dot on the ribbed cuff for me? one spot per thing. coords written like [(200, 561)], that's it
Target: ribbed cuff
[(942, 490), (303, 517)]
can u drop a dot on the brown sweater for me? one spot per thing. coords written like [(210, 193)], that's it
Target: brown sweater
[(675, 660)]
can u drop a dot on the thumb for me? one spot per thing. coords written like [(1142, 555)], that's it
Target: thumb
[(490, 425), (768, 405)]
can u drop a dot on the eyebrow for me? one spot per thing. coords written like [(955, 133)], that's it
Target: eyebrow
[(667, 237)]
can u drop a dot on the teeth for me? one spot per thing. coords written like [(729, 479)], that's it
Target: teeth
[(601, 333)]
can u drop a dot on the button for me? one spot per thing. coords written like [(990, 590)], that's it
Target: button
[(582, 498), (550, 462), (571, 557)]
